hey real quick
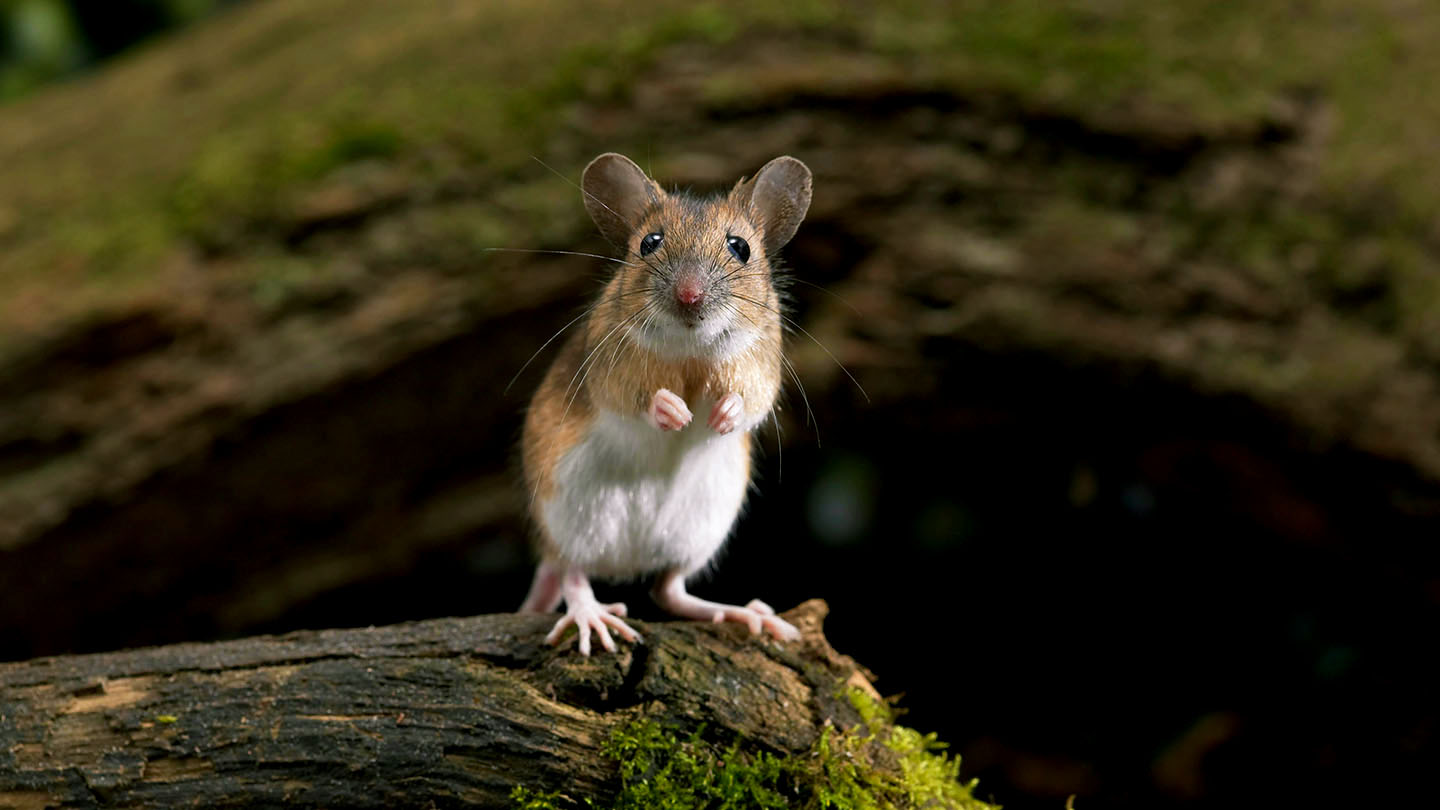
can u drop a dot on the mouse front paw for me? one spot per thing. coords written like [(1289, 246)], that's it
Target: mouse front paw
[(726, 414), (668, 411)]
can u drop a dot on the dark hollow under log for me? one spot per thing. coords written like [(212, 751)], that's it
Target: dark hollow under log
[(442, 713)]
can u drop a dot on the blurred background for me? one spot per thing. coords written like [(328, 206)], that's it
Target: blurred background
[(1142, 504)]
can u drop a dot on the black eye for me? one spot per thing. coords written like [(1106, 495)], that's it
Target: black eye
[(739, 247), (650, 242)]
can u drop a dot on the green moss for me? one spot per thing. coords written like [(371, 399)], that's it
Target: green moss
[(1214, 65), (876, 765), (237, 181), (930, 777), (660, 770), (351, 141), (278, 278), (606, 70), (524, 798)]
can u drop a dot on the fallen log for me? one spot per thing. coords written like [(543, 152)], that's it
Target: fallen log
[(441, 713)]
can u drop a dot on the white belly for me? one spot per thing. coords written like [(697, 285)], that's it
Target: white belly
[(630, 499)]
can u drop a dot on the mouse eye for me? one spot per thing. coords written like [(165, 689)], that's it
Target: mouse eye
[(739, 248), (650, 242)]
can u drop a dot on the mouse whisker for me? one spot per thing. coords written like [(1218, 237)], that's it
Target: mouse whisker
[(559, 252), (742, 313), (793, 323), (789, 367), (625, 342), (809, 414), (583, 191), (737, 270), (581, 372), (660, 270), (825, 290), (792, 279), (588, 310), (629, 293), (779, 446), (572, 322), (623, 346)]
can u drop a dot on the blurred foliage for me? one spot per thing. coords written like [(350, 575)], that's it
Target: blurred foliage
[(43, 40), (240, 153)]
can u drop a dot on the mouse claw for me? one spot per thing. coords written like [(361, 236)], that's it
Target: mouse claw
[(668, 411)]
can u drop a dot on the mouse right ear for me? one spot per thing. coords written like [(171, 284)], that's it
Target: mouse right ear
[(617, 194)]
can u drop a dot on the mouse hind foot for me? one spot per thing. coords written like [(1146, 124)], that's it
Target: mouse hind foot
[(670, 594), (589, 615)]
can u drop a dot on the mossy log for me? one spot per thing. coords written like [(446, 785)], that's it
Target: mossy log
[(441, 713)]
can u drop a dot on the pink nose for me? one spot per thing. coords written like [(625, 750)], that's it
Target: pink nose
[(689, 293)]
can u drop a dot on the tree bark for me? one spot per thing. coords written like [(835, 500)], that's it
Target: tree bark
[(442, 713)]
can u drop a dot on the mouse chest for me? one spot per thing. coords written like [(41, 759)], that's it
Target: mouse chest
[(630, 499)]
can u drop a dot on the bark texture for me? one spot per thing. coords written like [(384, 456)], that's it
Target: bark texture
[(443, 713)]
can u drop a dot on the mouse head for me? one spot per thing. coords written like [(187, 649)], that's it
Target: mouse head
[(698, 279)]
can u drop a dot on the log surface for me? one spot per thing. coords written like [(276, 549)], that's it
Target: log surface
[(442, 713)]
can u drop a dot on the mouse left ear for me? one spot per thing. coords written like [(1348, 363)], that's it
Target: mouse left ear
[(778, 197)]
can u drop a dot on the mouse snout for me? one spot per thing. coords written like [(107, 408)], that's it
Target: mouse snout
[(690, 292)]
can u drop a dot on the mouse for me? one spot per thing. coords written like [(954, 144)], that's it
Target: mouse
[(637, 444)]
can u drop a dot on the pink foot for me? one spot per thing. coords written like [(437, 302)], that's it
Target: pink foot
[(671, 595), (725, 416), (668, 411), (588, 614), (757, 616), (592, 615)]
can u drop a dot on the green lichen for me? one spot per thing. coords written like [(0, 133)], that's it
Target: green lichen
[(875, 765)]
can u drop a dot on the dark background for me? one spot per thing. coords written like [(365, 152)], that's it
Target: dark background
[(1138, 502)]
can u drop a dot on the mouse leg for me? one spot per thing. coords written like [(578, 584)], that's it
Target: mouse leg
[(544, 594), (584, 611), (671, 595)]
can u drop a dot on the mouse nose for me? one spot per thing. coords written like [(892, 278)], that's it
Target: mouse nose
[(690, 293)]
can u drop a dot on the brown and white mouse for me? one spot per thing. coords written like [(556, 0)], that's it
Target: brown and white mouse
[(624, 482)]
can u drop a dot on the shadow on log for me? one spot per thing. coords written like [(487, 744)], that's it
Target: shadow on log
[(450, 712)]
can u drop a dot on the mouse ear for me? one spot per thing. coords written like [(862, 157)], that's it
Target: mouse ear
[(778, 197), (617, 193)]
